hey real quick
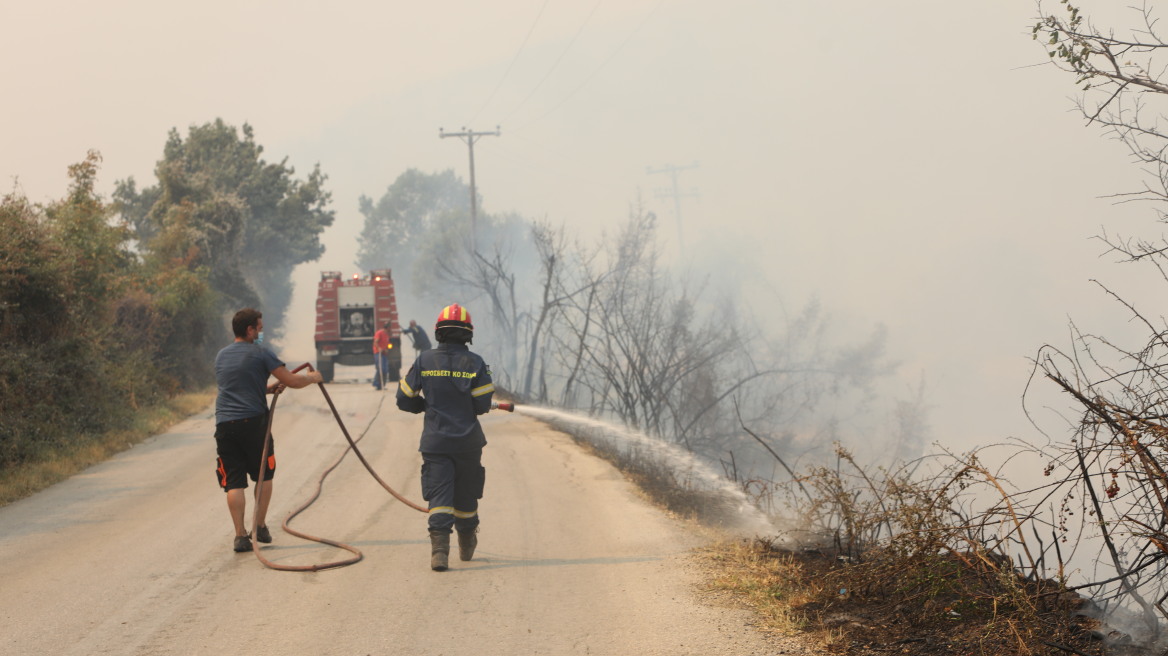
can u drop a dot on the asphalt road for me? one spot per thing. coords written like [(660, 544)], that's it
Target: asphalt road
[(133, 556)]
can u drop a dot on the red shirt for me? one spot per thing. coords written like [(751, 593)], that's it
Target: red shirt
[(381, 341)]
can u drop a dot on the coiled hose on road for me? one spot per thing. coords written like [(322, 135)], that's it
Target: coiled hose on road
[(357, 555)]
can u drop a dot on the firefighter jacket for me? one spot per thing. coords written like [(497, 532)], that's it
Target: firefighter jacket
[(452, 385)]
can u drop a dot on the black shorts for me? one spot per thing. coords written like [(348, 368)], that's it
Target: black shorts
[(240, 445)]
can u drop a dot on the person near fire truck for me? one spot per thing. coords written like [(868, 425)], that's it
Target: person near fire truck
[(452, 385), (381, 348), (418, 337), (241, 419)]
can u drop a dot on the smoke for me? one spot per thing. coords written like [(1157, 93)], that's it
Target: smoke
[(1118, 626)]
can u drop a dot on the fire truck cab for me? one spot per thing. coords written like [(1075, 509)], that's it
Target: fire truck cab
[(348, 312)]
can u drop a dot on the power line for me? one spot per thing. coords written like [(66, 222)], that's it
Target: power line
[(556, 63), (597, 69), (512, 64), (548, 167)]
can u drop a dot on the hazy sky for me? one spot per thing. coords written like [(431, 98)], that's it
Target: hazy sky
[(904, 161)]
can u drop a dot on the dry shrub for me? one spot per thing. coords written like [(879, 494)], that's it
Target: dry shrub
[(936, 557)]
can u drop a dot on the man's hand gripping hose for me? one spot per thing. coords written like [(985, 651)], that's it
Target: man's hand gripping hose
[(357, 555)]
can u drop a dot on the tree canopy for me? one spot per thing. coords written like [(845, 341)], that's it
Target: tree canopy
[(78, 313), (243, 221), (410, 214)]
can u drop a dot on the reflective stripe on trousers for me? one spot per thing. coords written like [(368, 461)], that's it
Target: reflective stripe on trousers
[(453, 484)]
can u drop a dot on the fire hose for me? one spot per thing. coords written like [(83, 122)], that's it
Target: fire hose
[(509, 407)]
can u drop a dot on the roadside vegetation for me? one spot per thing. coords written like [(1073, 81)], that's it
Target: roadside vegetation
[(943, 556), (87, 449), (111, 310)]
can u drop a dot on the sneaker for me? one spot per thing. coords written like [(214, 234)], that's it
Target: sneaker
[(262, 535), (242, 543)]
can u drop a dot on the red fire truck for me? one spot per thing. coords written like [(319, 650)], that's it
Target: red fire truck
[(348, 312)]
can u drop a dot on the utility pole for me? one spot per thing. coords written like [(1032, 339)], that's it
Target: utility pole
[(470, 137), (675, 192)]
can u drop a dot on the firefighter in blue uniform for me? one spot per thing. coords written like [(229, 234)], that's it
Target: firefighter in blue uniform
[(452, 385)]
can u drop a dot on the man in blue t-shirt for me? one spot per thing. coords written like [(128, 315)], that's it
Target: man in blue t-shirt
[(241, 419)]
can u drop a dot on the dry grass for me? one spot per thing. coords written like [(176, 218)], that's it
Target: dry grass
[(770, 582), (938, 607), (88, 450)]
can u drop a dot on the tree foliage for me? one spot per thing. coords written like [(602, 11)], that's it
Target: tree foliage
[(77, 321), (415, 210), (124, 312), (240, 221)]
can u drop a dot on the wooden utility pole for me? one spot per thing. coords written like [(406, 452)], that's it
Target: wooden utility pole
[(470, 137), (675, 192)]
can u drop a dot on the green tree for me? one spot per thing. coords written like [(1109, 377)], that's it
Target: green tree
[(413, 209), (70, 295), (223, 210), (181, 302)]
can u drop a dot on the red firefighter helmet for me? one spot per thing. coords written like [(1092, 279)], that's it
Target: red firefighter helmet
[(454, 316)]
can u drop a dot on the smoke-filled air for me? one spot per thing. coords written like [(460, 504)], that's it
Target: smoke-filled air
[(881, 279)]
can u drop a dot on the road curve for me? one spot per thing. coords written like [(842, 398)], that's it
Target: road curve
[(133, 556)]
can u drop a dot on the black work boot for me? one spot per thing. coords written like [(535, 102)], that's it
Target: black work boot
[(467, 541), (439, 550)]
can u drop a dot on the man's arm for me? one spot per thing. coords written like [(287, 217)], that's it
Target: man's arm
[(295, 381)]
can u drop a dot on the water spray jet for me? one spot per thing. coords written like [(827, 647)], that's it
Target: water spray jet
[(739, 513)]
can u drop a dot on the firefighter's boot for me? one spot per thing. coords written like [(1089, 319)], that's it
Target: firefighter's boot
[(467, 541), (439, 550)]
